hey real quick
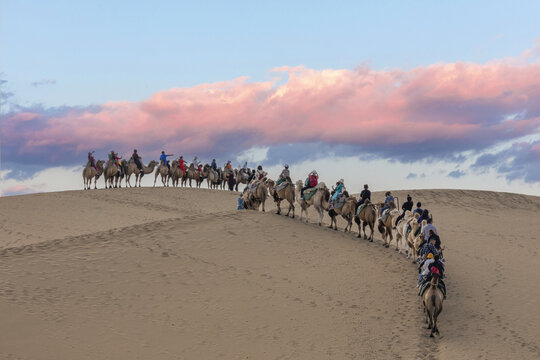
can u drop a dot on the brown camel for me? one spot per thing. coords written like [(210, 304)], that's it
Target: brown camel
[(319, 200), (131, 169), (257, 196), (110, 173), (162, 170), (287, 193), (89, 173), (346, 211), (241, 177), (433, 298), (213, 178), (176, 173), (366, 216), (194, 174), (385, 228)]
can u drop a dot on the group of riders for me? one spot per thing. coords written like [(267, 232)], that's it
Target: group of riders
[(115, 159), (429, 255)]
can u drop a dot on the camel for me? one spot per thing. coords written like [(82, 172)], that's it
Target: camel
[(433, 298), (213, 178), (131, 169), (193, 174), (176, 173), (110, 173), (241, 177), (89, 173), (385, 228), (401, 233), (258, 196), (319, 200), (287, 193), (367, 216), (346, 211), (162, 170)]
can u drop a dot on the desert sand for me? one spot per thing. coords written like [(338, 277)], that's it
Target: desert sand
[(163, 273)]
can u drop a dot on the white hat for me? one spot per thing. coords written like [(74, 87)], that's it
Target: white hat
[(341, 181)]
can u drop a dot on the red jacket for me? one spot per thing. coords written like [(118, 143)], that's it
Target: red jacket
[(313, 180)]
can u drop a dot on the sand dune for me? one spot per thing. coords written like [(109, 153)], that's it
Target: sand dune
[(157, 273)]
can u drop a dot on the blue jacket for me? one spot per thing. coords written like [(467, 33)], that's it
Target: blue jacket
[(163, 158)]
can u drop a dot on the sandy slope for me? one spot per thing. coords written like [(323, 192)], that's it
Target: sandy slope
[(176, 273)]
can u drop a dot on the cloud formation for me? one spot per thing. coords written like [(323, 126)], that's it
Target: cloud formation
[(429, 112), (44, 82)]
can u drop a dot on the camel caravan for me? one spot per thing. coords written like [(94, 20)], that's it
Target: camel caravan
[(413, 229)]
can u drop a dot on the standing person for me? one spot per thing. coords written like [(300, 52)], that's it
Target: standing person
[(137, 159), (311, 182), (92, 160), (407, 206), (163, 159), (364, 196)]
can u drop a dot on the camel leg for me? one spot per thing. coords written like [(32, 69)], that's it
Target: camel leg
[(263, 205), (155, 178), (278, 207)]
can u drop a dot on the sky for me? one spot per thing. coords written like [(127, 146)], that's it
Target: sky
[(399, 95)]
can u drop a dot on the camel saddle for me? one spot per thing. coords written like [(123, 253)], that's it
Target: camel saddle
[(244, 175), (360, 208), (426, 284), (340, 201), (308, 193), (282, 186), (385, 215)]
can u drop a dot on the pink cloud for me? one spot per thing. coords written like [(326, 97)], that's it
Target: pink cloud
[(461, 104)]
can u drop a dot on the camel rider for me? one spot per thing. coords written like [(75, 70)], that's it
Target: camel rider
[(197, 164), (214, 165), (340, 187), (182, 164), (258, 176), (407, 206), (429, 226), (430, 247), (251, 175), (434, 267), (311, 181), (92, 160), (137, 159), (285, 173), (364, 196), (116, 160), (245, 168), (418, 209), (228, 166), (387, 202), (163, 159)]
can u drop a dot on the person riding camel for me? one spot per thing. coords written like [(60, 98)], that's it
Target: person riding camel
[(407, 206), (214, 165), (285, 174), (311, 181), (197, 164), (429, 247), (429, 226), (365, 195), (338, 190), (228, 166), (245, 168), (418, 209), (434, 266), (116, 160), (387, 202), (92, 160), (137, 159), (163, 159), (259, 175), (182, 164)]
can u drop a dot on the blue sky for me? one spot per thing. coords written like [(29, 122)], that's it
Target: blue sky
[(102, 51)]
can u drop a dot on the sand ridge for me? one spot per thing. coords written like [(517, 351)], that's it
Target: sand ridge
[(179, 273)]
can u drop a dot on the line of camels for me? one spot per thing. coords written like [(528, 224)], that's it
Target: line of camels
[(254, 198)]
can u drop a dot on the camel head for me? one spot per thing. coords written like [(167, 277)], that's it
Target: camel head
[(152, 163), (299, 184), (99, 164)]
